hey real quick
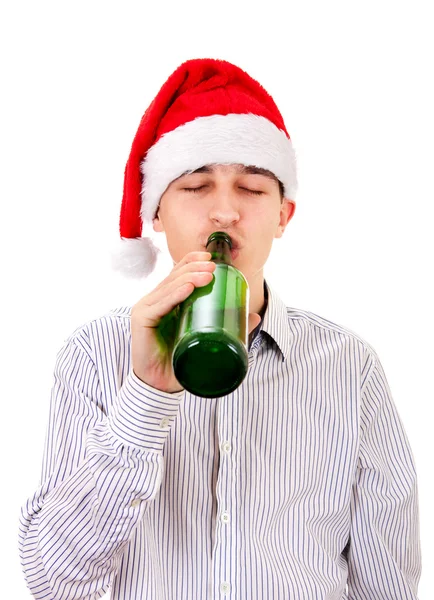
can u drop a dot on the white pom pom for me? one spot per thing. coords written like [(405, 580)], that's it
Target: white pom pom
[(136, 258)]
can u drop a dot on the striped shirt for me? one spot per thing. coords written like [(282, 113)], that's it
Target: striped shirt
[(300, 484)]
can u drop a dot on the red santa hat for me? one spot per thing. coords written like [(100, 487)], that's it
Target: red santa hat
[(208, 112)]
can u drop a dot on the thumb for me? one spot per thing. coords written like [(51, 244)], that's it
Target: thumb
[(254, 320)]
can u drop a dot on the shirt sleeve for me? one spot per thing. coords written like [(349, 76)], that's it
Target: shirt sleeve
[(100, 472), (384, 555)]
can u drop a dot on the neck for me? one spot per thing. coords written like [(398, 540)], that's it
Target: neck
[(257, 297)]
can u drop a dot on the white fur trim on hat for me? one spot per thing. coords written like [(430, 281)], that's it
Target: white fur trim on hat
[(219, 139)]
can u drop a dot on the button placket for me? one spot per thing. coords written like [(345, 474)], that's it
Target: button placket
[(224, 565)]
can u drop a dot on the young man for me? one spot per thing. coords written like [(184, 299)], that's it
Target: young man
[(299, 484)]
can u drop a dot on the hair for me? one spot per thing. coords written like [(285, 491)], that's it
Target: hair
[(282, 192)]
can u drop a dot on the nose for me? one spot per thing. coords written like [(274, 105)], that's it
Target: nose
[(224, 211)]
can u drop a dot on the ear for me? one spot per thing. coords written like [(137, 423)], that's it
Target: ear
[(157, 223), (287, 211)]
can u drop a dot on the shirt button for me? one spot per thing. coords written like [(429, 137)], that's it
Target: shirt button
[(135, 503), (164, 422), (225, 587), (226, 447), (225, 517)]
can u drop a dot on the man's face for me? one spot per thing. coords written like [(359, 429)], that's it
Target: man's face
[(242, 201)]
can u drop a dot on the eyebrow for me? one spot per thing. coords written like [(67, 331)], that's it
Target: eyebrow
[(242, 170)]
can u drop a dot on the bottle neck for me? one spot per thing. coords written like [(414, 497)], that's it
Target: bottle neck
[(220, 251)]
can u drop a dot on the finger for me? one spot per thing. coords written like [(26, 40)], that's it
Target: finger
[(161, 301), (192, 257), (191, 268), (192, 262)]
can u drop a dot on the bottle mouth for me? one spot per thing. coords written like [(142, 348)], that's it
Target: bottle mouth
[(220, 235)]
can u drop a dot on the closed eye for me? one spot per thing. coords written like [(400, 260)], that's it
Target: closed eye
[(255, 192), (196, 189), (201, 187)]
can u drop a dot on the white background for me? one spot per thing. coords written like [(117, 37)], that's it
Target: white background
[(354, 84)]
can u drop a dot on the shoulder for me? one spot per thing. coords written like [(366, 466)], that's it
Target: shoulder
[(111, 329), (317, 323)]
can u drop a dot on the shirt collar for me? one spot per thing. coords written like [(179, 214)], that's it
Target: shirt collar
[(275, 321)]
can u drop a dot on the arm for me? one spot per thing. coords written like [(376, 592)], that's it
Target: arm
[(384, 556), (99, 475)]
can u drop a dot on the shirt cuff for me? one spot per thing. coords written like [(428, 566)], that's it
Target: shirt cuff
[(142, 416)]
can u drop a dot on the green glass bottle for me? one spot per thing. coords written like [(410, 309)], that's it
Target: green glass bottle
[(210, 356)]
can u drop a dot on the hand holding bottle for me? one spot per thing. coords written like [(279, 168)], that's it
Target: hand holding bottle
[(153, 320), (151, 351)]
